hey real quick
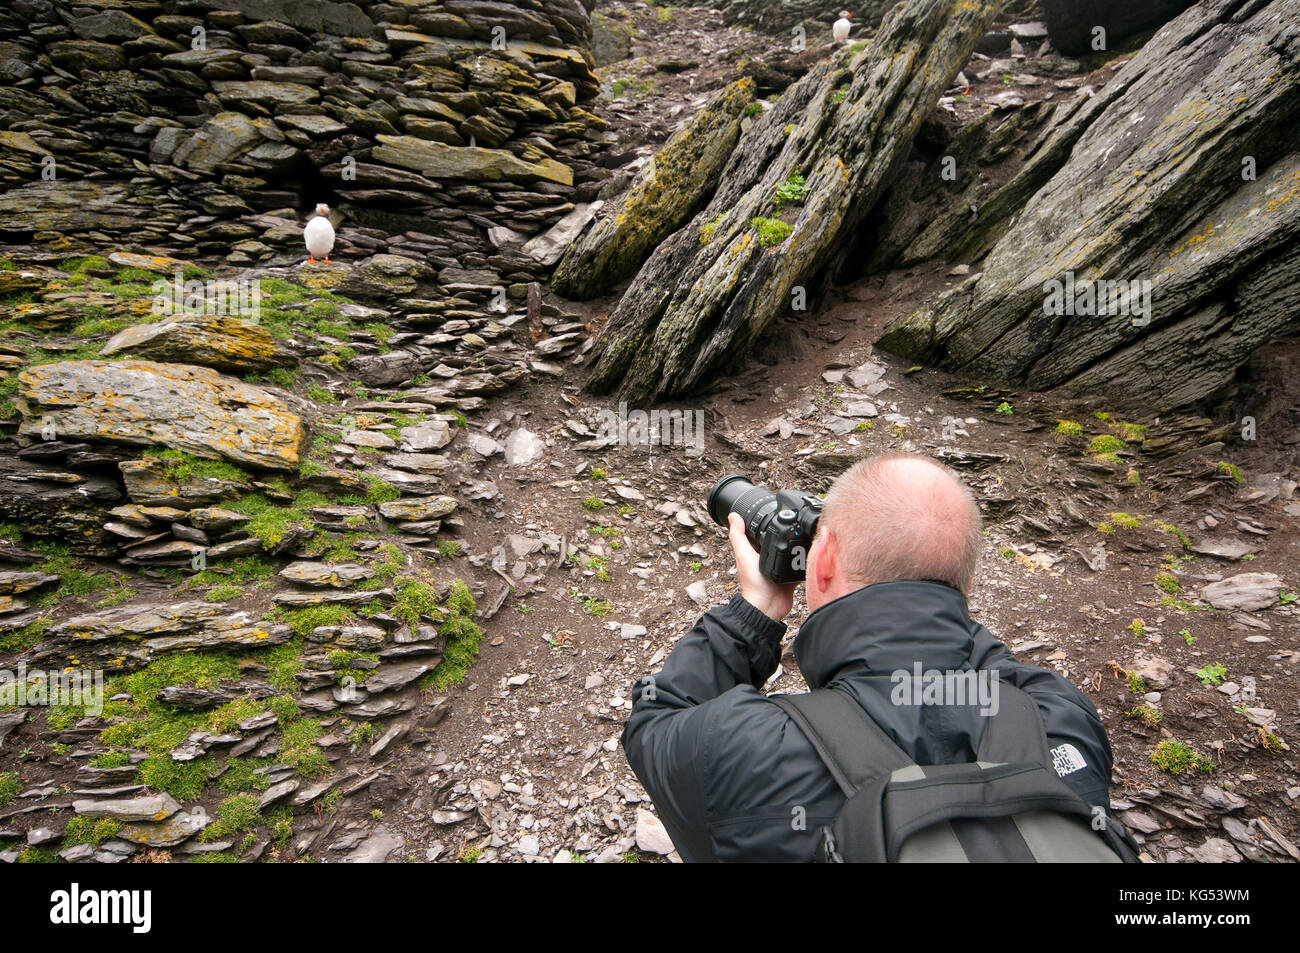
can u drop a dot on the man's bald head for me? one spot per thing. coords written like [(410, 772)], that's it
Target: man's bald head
[(903, 516)]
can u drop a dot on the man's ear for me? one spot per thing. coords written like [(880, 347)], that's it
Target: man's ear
[(827, 566)]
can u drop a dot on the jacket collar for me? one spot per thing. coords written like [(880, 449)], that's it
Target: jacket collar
[(884, 627)]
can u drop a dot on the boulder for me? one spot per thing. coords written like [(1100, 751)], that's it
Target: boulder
[(151, 807), (337, 576), (437, 160), (225, 342), (417, 508), (224, 137), (151, 482), (193, 409), (1246, 590)]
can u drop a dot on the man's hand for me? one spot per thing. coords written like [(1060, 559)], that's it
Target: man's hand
[(763, 594)]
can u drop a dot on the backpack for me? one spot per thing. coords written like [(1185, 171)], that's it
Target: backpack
[(1007, 806)]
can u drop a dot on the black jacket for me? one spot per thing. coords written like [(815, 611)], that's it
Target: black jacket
[(731, 775)]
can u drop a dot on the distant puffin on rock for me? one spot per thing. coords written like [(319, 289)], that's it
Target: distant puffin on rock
[(319, 234), (842, 26)]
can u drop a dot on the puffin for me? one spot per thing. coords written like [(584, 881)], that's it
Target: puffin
[(841, 28), (319, 234)]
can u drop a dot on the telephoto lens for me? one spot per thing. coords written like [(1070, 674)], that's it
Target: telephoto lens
[(780, 526), (736, 494)]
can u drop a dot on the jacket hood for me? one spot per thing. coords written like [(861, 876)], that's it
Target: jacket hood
[(884, 627)]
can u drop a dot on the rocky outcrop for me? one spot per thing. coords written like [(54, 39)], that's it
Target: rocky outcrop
[(1073, 24), (187, 408), (1160, 250), (798, 185), (662, 197)]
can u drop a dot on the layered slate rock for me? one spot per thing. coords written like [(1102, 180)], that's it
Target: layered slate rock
[(224, 342), (194, 409), (57, 503), (1145, 183), (202, 142), (662, 197), (715, 285), (130, 637)]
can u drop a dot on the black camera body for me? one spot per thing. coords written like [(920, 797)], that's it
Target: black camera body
[(780, 525)]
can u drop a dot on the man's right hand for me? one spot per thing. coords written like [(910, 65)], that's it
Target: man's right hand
[(773, 600)]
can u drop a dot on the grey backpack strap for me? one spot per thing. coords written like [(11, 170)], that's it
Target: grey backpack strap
[(854, 748), (1015, 733)]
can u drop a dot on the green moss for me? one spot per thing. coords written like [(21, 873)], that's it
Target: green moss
[(111, 759), (708, 229), (459, 599), (1228, 469), (1183, 539), (320, 395), (266, 520), (286, 709), (20, 640), (214, 857), (771, 231), (593, 503), (1105, 443), (1126, 520), (1174, 757), (223, 593), (414, 599), (84, 264), (298, 747), (226, 718), (463, 638), (235, 814), (303, 621), (1069, 428), (10, 787), (1132, 433), (38, 855), (241, 571), (182, 467), (1149, 716), (184, 780), (89, 830), (1169, 583)]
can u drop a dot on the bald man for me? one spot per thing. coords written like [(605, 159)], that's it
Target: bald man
[(732, 777)]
